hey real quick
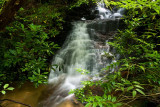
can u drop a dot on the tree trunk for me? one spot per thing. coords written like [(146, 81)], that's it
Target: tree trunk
[(8, 12)]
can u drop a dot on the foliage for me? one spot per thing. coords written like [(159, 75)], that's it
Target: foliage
[(1, 4), (27, 44), (26, 48), (114, 91), (29, 41), (138, 73), (45, 15), (139, 42), (78, 3), (5, 88), (82, 71)]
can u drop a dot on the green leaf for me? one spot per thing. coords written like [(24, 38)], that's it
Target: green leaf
[(142, 68), (45, 73), (3, 92), (39, 81), (94, 104), (100, 104), (104, 96), (5, 86), (109, 97), (157, 10), (10, 88), (97, 98), (127, 82), (138, 86), (118, 89), (135, 82), (114, 99), (122, 88), (140, 91), (107, 3), (134, 93), (12, 51), (130, 88), (21, 9), (91, 98), (119, 73), (39, 71), (88, 104), (118, 104), (113, 105), (22, 26)]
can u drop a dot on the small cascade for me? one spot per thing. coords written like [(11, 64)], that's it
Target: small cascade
[(86, 48), (74, 53), (103, 12)]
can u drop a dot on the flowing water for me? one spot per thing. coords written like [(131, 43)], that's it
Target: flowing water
[(86, 48)]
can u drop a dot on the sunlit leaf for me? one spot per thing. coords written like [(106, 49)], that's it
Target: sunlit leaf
[(100, 104), (109, 97), (10, 88), (122, 88), (140, 91), (88, 105), (3, 92), (138, 86), (135, 82), (105, 96), (118, 104), (114, 99), (130, 88), (142, 68), (94, 104), (134, 93), (5, 86)]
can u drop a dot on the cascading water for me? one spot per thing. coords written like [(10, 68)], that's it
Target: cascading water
[(84, 48), (75, 52)]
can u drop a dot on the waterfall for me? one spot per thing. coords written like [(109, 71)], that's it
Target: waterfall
[(84, 48), (75, 53)]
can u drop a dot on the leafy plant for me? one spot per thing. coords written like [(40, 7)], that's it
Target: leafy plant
[(82, 71), (28, 50), (5, 88), (138, 67)]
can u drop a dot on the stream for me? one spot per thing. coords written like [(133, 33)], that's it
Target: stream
[(86, 48)]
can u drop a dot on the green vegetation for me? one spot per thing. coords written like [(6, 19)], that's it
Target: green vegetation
[(26, 45), (5, 88), (28, 42), (138, 76)]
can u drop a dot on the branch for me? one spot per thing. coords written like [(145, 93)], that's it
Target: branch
[(15, 102), (153, 94)]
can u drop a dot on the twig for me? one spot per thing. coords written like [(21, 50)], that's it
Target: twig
[(131, 101), (15, 102), (153, 94)]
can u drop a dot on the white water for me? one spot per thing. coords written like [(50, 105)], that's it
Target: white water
[(80, 50), (74, 54), (105, 13)]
